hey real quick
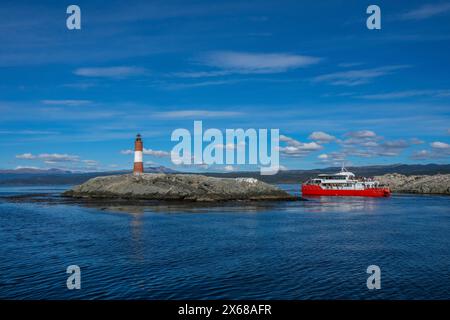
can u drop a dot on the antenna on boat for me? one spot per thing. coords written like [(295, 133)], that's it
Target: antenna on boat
[(343, 167)]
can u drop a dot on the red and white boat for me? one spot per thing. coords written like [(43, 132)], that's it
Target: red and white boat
[(344, 183)]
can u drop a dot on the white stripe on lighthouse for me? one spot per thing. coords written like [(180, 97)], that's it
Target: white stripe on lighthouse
[(138, 156)]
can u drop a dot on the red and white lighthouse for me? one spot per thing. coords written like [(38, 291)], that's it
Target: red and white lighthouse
[(138, 168)]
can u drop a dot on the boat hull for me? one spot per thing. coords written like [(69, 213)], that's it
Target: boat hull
[(315, 190)]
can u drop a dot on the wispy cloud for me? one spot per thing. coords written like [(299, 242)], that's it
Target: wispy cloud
[(110, 72), (201, 74), (349, 64), (179, 86), (26, 156), (61, 161), (416, 141), (28, 132), (440, 145), (426, 11), (321, 137), (199, 84), (182, 114), (247, 62), (357, 77), (332, 158), (438, 150), (367, 144), (422, 155), (150, 152), (407, 94), (90, 163), (71, 103), (52, 157), (80, 85), (296, 148), (362, 134), (229, 168)]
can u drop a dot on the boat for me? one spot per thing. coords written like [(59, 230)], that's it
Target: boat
[(344, 183)]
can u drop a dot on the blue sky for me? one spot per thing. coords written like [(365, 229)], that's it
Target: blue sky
[(336, 90)]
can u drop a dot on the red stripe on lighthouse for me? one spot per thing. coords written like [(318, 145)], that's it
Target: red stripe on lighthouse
[(138, 168)]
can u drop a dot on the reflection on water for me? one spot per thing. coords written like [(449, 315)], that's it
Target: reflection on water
[(315, 249), (344, 204), (136, 233), (312, 204)]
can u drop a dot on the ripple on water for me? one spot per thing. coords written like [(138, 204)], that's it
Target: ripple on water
[(317, 249)]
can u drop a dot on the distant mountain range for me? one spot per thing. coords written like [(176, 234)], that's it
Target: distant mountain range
[(34, 171), (31, 176), (297, 176)]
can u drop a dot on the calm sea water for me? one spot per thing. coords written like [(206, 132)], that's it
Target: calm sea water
[(317, 249)]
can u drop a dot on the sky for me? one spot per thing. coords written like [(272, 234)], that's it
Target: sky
[(337, 91)]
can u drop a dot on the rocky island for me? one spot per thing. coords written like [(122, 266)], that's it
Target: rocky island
[(426, 184), (177, 187)]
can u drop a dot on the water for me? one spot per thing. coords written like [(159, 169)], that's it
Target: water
[(317, 249)]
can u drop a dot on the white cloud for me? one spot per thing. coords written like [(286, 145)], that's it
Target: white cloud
[(28, 132), (27, 156), (296, 148), (201, 74), (391, 148), (332, 158), (49, 157), (183, 114), (426, 11), (178, 86), (321, 137), (246, 62), (90, 163), (70, 103), (440, 145), (438, 150), (362, 134), (229, 168), (310, 146), (61, 161), (357, 77), (416, 141), (407, 94), (228, 146), (349, 64), (110, 72), (156, 153), (289, 140), (421, 155), (57, 157), (367, 144)]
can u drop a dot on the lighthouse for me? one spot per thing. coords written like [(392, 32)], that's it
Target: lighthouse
[(138, 168)]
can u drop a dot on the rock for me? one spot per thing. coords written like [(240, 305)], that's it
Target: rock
[(435, 184), (186, 187)]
